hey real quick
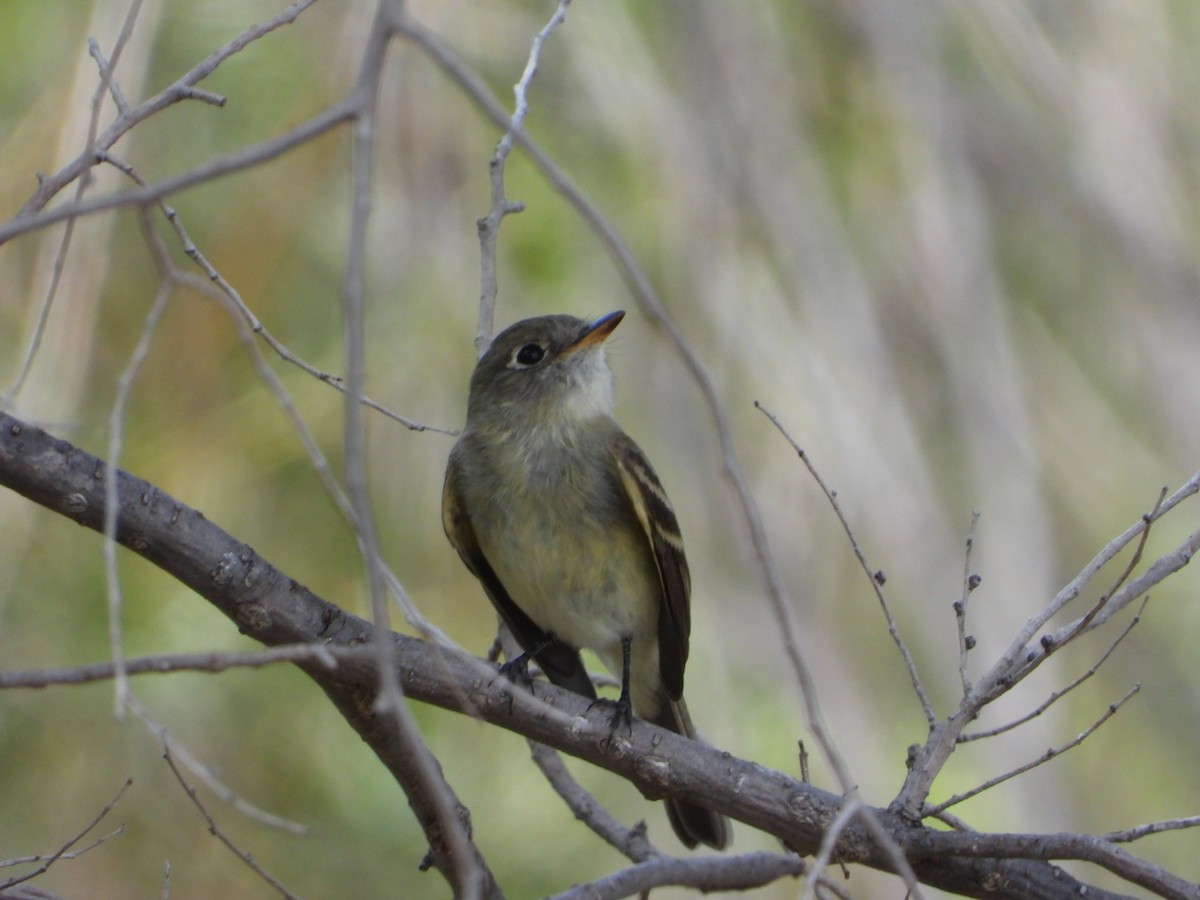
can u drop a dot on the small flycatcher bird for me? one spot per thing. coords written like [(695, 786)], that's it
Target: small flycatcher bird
[(558, 514)]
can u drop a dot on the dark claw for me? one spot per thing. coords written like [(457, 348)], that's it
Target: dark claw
[(622, 713), (517, 670)]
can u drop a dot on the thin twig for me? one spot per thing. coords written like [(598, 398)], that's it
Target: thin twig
[(220, 283), (106, 76), (216, 661), (1024, 655), (116, 428), (226, 794), (31, 216), (489, 225), (229, 299), (966, 642), (254, 155), (874, 577), (1044, 758), (60, 259), (833, 833), (216, 832), (70, 854), (632, 842), (1082, 625), (1057, 695), (63, 852), (459, 861), (1141, 831)]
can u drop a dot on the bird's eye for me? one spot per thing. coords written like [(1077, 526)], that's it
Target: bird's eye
[(529, 355)]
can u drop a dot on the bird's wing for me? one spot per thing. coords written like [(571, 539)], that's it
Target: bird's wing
[(558, 660), (653, 509)]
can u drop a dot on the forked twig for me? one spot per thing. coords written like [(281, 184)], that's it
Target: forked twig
[(65, 852), (217, 282), (1082, 625), (489, 225), (1058, 695), (1024, 655), (1044, 758), (60, 259)]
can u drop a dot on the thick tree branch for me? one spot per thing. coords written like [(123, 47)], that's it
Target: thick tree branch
[(261, 600), (275, 610)]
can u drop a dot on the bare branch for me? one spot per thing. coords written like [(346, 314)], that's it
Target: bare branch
[(216, 832), (489, 225), (1160, 569), (116, 427), (70, 854), (39, 328), (1057, 695), (632, 842), (107, 77), (272, 608), (254, 155), (218, 282), (875, 578), (215, 662), (64, 852), (1082, 625), (1021, 647), (183, 89), (217, 288), (711, 873), (1044, 758), (1086, 847), (966, 643), (455, 856), (1023, 656), (1141, 831), (206, 775)]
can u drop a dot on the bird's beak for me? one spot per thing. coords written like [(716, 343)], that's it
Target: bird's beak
[(597, 331)]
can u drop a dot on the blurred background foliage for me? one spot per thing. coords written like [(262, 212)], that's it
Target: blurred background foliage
[(953, 246)]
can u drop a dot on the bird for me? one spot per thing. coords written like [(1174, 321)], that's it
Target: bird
[(562, 519)]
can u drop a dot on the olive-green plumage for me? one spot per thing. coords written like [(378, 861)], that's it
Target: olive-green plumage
[(557, 512)]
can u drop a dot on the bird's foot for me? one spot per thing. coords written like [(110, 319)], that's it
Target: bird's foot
[(517, 670), (622, 713)]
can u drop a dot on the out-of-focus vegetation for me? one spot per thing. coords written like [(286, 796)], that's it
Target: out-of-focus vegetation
[(952, 246)]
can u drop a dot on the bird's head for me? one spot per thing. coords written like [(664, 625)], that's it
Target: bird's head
[(549, 369)]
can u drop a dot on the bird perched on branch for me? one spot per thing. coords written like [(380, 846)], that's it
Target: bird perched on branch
[(559, 515)]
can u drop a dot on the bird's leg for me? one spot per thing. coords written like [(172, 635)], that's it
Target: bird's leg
[(624, 711), (516, 670), (622, 706)]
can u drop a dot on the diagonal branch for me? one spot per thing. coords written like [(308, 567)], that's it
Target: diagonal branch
[(273, 609)]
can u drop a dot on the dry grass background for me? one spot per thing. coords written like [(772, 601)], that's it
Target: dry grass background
[(952, 246)]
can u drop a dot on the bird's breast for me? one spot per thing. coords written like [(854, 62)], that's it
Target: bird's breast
[(563, 541)]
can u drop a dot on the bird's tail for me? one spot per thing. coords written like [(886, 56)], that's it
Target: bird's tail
[(692, 823)]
